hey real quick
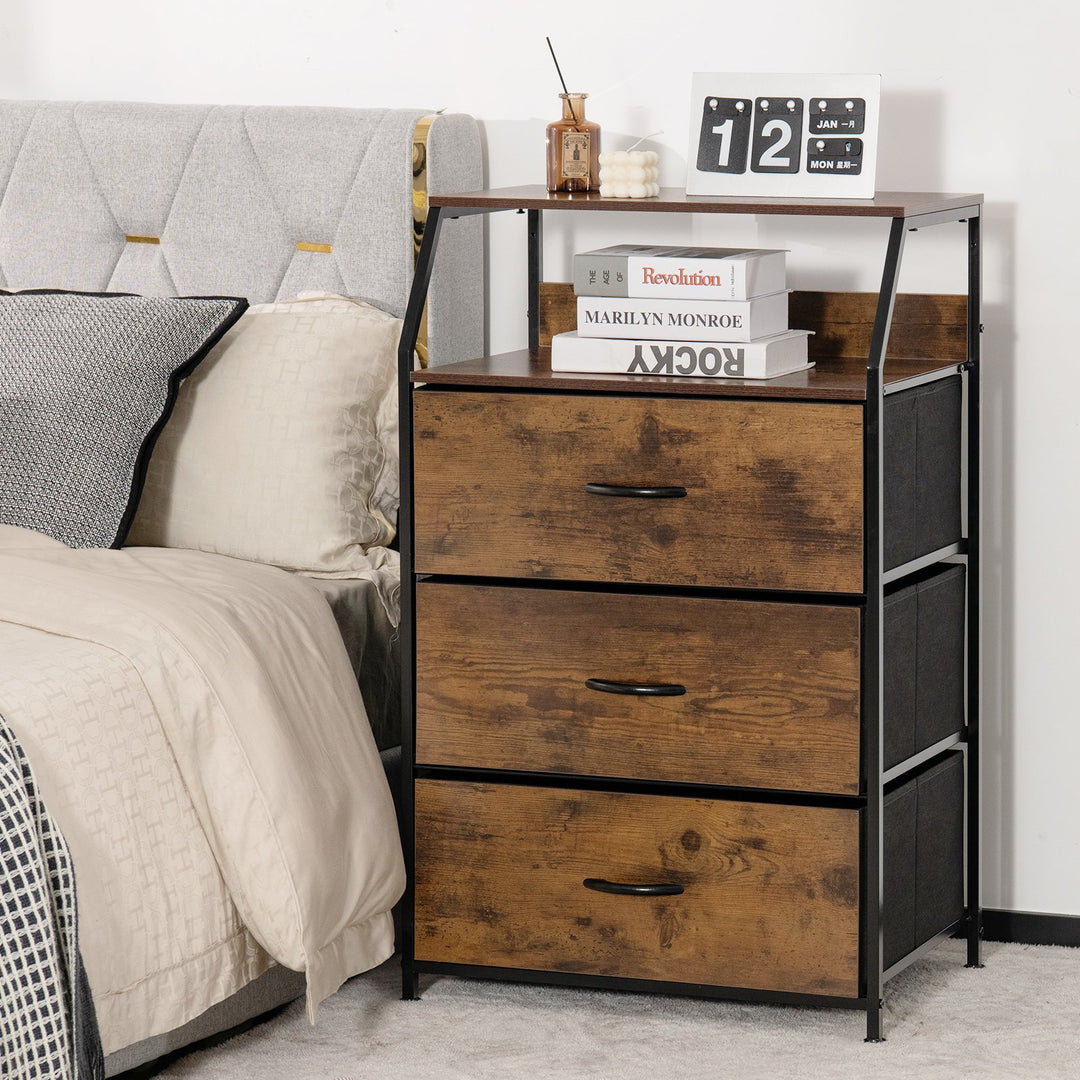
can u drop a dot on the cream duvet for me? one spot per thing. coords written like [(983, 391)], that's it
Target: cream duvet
[(198, 734)]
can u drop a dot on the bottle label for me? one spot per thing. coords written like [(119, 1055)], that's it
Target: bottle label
[(575, 154)]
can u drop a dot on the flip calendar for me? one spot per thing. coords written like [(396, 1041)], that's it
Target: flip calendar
[(783, 135)]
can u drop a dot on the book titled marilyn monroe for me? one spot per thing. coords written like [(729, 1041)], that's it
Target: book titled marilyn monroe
[(764, 358), (689, 320)]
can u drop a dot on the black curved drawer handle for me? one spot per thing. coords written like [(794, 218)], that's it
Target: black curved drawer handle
[(637, 689), (623, 888), (636, 492)]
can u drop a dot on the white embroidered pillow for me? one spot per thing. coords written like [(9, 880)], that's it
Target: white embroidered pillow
[(282, 446)]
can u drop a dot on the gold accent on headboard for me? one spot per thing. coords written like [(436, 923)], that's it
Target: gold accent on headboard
[(420, 210), (131, 239), (322, 249)]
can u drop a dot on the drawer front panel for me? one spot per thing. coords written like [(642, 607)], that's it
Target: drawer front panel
[(771, 690), (773, 490), (769, 900)]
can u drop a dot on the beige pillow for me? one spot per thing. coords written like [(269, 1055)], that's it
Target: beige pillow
[(282, 446)]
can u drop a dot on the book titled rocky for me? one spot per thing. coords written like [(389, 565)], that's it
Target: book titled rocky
[(765, 358), (689, 320), (684, 273)]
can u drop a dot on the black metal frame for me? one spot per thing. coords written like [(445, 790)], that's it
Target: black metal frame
[(876, 577), (407, 637), (874, 776)]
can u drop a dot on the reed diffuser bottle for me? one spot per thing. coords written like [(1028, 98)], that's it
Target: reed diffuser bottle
[(573, 148)]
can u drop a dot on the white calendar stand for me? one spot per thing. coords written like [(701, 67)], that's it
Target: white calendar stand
[(784, 135)]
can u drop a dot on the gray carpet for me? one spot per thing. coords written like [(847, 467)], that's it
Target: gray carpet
[(1015, 1019)]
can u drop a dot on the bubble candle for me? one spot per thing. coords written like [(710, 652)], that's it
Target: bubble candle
[(629, 174)]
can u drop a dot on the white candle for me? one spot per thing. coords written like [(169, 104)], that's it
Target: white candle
[(629, 174)]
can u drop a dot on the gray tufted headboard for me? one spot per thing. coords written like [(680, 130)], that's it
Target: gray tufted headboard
[(215, 199)]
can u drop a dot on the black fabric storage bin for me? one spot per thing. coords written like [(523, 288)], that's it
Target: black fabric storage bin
[(923, 856), (924, 663), (921, 470)]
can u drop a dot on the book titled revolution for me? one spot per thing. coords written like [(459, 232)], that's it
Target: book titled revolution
[(689, 320), (683, 273), (765, 358)]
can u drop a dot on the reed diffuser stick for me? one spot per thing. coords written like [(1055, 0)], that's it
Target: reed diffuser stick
[(561, 79)]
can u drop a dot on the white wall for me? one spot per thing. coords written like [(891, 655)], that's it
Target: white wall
[(971, 101)]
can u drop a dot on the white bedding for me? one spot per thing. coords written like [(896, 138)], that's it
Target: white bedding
[(198, 734), (366, 608)]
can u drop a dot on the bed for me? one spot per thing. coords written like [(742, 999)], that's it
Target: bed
[(202, 672)]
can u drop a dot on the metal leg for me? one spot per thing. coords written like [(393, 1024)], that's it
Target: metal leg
[(974, 941), (536, 274), (410, 329), (410, 984), (873, 643), (873, 1022), (974, 796)]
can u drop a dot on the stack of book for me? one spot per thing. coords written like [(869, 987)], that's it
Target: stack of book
[(646, 310)]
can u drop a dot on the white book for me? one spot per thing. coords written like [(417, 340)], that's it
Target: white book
[(765, 358), (657, 318), (681, 273)]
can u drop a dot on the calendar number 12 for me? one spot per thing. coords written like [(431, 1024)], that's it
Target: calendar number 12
[(764, 133)]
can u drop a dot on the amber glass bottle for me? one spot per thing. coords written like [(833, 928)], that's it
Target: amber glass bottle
[(573, 148)]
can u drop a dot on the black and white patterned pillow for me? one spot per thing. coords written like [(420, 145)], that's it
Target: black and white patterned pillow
[(87, 381)]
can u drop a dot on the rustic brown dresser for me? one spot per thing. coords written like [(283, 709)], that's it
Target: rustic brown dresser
[(691, 664)]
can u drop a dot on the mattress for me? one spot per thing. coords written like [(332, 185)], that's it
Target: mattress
[(257, 1000)]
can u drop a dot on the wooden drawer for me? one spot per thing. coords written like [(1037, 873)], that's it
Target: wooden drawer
[(770, 894), (773, 490), (771, 690)]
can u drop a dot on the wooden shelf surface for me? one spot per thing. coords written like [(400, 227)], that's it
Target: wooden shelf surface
[(828, 380), (885, 204)]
